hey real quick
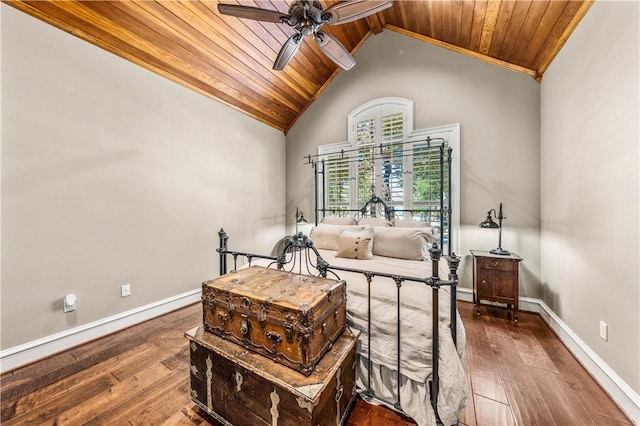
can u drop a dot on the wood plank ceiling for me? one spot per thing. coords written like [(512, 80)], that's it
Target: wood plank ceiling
[(231, 59)]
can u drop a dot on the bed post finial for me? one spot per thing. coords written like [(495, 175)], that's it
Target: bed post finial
[(223, 251), (436, 253), (454, 262)]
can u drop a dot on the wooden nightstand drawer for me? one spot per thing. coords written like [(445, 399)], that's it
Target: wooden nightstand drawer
[(496, 264)]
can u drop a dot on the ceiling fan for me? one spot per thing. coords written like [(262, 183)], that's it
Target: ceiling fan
[(308, 17)]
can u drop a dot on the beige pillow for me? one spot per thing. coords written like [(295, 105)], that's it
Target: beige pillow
[(402, 243), (337, 220), (355, 244), (325, 236), (374, 221)]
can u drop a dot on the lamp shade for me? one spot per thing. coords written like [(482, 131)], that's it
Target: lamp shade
[(489, 223)]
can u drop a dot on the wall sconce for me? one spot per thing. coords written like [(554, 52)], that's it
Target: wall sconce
[(488, 223), (300, 220)]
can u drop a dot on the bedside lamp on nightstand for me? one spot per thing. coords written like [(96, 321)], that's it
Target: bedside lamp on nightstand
[(488, 223), (300, 220)]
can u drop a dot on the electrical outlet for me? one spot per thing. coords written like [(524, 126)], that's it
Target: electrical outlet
[(125, 290), (604, 331)]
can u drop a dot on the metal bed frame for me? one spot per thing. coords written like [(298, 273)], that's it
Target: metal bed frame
[(299, 255)]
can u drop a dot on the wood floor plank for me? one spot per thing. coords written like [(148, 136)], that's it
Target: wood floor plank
[(121, 393), (163, 405), (180, 419), (527, 405), (26, 379), (489, 386), (133, 402), (45, 410), (530, 349), (147, 354), (505, 351), (468, 414), (22, 377), (607, 421), (560, 398), (492, 413), (108, 346), (82, 378)]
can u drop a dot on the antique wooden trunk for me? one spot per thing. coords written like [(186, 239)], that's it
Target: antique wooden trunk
[(292, 319), (239, 387)]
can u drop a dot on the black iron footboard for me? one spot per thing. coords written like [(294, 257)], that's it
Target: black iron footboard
[(299, 251)]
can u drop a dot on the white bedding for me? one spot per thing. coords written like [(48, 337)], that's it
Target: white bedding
[(415, 333)]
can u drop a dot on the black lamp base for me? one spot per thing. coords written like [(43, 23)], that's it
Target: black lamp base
[(500, 251)]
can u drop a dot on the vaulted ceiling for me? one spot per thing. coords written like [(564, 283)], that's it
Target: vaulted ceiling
[(231, 59)]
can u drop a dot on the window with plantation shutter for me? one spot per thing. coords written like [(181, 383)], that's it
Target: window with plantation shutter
[(386, 157)]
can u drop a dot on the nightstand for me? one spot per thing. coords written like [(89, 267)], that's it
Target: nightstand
[(496, 279)]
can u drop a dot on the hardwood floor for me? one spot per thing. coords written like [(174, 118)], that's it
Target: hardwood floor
[(518, 374)]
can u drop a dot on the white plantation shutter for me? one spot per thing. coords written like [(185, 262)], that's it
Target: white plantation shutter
[(338, 181), (391, 167), (380, 158), (426, 167), (365, 166)]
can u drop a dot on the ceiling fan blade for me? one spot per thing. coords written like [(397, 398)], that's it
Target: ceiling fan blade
[(254, 13), (351, 10), (331, 47), (288, 49)]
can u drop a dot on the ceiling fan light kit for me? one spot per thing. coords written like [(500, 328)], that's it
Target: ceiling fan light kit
[(307, 17)]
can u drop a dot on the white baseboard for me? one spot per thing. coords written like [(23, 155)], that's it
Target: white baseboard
[(37, 349), (620, 392)]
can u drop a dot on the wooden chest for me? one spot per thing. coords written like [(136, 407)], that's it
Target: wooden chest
[(290, 318), (239, 387)]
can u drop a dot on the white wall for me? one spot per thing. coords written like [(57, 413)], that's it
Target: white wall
[(498, 111), (589, 184), (112, 174)]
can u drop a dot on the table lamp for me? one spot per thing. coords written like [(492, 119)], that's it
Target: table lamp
[(488, 223)]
